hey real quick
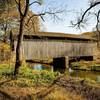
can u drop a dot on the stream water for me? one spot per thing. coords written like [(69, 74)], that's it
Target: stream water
[(76, 73), (87, 75)]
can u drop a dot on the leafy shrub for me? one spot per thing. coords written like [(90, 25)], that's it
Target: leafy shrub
[(95, 67), (87, 65), (27, 76), (38, 76), (4, 52), (75, 64), (6, 69)]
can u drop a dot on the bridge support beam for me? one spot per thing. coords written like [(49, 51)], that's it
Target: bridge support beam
[(60, 64)]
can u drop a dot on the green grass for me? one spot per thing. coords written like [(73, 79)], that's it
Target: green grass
[(95, 67), (86, 65), (6, 69), (27, 76), (32, 81)]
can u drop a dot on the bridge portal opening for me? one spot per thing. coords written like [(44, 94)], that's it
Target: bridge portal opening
[(59, 64), (78, 58), (62, 63)]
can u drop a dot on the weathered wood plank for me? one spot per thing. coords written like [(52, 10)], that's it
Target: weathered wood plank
[(52, 49)]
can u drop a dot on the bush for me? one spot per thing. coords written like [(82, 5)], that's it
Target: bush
[(38, 76), (5, 52), (95, 67), (6, 69)]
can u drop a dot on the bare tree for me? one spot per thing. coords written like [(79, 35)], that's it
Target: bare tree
[(88, 12), (7, 20), (4, 27), (23, 11), (23, 14)]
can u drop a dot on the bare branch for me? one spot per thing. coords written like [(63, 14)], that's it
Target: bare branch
[(93, 5), (16, 2), (98, 21), (82, 17), (33, 23), (45, 13), (19, 7), (35, 3), (26, 7), (97, 25)]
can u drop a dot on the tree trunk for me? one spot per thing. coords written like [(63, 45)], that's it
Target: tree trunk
[(98, 39), (18, 48)]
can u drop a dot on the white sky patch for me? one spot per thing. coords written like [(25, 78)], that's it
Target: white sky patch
[(73, 6)]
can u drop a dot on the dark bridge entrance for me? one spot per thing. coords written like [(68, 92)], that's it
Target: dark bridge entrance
[(86, 58), (62, 63)]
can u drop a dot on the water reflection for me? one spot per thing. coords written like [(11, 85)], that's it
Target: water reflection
[(98, 79), (42, 67), (37, 67), (87, 75)]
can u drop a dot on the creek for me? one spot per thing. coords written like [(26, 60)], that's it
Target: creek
[(91, 75)]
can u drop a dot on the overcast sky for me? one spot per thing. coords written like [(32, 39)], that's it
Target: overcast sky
[(71, 6)]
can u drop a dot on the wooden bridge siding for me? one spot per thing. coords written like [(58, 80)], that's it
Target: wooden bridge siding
[(51, 49)]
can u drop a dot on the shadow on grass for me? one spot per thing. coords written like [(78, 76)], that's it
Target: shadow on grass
[(5, 96), (3, 82), (9, 77)]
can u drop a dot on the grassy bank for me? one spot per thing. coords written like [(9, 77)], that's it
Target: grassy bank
[(86, 65), (27, 76), (43, 85)]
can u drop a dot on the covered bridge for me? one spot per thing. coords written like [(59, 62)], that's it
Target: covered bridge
[(44, 46)]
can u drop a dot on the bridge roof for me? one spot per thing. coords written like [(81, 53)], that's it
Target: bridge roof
[(56, 35)]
